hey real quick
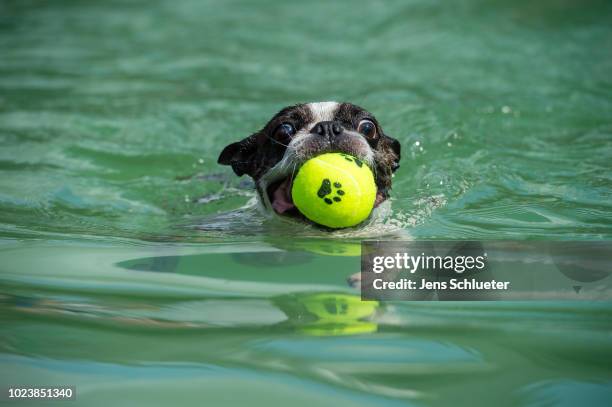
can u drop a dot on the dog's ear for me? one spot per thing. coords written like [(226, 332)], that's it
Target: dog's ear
[(240, 155), (396, 147)]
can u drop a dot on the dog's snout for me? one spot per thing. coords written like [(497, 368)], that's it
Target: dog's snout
[(328, 129)]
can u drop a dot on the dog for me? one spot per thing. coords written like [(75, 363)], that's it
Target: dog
[(297, 133)]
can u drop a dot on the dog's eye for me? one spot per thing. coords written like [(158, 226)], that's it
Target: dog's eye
[(284, 131), (367, 128)]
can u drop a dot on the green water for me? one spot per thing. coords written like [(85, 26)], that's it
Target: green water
[(135, 268)]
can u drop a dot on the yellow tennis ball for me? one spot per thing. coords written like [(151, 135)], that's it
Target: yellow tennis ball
[(334, 190)]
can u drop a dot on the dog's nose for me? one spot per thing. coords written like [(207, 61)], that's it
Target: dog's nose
[(328, 128)]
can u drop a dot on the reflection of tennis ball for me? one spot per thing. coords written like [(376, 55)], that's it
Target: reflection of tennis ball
[(335, 190), (326, 247), (338, 314), (341, 308)]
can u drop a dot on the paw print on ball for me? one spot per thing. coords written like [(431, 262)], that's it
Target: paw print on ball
[(352, 159), (326, 189)]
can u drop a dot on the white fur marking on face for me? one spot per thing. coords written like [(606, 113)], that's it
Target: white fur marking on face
[(322, 111)]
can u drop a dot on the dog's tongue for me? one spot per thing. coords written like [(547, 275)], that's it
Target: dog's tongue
[(281, 198)]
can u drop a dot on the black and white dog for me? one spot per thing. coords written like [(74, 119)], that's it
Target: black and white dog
[(297, 133)]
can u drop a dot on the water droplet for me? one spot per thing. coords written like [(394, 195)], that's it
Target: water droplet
[(417, 143), (506, 109)]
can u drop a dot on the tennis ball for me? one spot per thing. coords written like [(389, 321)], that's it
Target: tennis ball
[(335, 190)]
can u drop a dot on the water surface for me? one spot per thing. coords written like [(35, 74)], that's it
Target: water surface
[(137, 269)]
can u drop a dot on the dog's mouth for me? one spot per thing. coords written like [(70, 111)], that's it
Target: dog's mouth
[(279, 195)]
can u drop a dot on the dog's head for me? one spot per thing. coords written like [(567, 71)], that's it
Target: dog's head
[(297, 133)]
